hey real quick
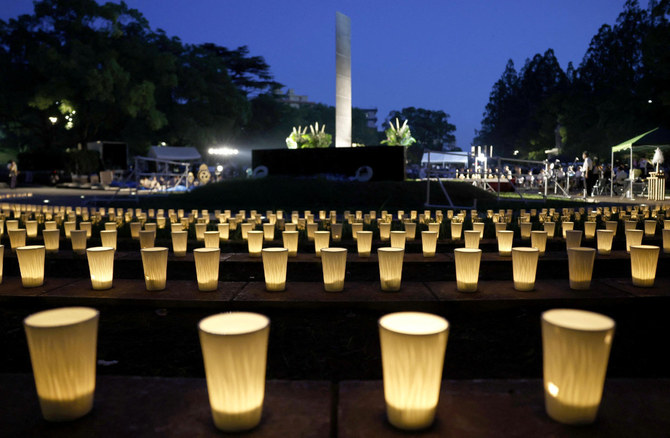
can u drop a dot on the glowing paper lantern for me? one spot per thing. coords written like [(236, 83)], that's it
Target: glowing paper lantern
[(573, 238), (575, 351), (524, 267), (78, 241), (472, 238), (154, 262), (666, 241), (336, 232), (101, 266), (207, 267), (612, 226), (234, 350), (211, 239), (110, 226), (429, 243), (200, 229), (67, 227), (269, 232), (17, 238), (384, 231), (649, 228), (179, 243), (479, 226), (177, 226), (364, 243), (410, 230), (135, 228), (355, 228), (50, 225), (390, 267), (580, 267), (245, 228), (88, 227), (633, 237), (147, 238), (275, 262), (550, 228), (334, 264), (224, 231), (31, 229), (321, 240), (567, 226), (525, 229), (604, 241), (456, 230), (538, 239), (290, 241), (589, 229), (466, 261), (31, 265), (51, 240), (255, 243), (108, 238), (500, 226), (62, 344), (290, 227), (413, 346), (643, 262), (398, 239), (311, 229), (505, 239)]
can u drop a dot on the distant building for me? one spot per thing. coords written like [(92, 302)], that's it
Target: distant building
[(371, 117), (294, 100)]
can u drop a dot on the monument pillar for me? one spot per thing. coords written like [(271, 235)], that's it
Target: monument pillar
[(343, 80)]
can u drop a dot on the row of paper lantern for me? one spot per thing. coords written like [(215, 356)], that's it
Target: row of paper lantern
[(321, 239), (644, 260), (576, 347)]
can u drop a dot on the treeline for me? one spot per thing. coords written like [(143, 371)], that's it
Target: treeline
[(620, 89), (80, 71)]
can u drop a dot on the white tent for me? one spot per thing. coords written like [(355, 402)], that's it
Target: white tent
[(175, 153), (444, 158)]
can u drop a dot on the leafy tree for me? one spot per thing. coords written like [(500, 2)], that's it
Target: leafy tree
[(431, 128)]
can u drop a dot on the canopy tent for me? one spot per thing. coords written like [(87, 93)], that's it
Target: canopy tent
[(657, 137), (445, 158), (175, 153)]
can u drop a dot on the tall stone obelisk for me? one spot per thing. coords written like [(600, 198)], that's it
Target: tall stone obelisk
[(343, 81)]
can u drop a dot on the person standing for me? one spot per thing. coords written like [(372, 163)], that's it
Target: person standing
[(13, 173), (588, 173)]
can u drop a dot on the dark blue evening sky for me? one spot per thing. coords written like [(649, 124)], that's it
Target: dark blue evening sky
[(440, 54)]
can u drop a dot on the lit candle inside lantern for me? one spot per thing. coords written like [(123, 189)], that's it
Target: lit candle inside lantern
[(390, 267), (466, 261), (275, 262), (62, 344), (633, 237), (31, 265), (207, 267), (429, 243), (290, 241), (472, 238), (413, 346), (580, 267), (525, 229), (336, 232), (78, 241), (505, 239), (101, 266), (589, 229), (179, 243), (334, 263), (147, 238), (573, 238), (550, 228), (384, 231), (321, 240), (17, 238), (575, 349), (51, 240), (410, 230), (538, 239), (211, 239), (364, 243), (643, 262), (154, 262), (269, 232), (456, 230), (524, 267), (234, 350), (255, 243)]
